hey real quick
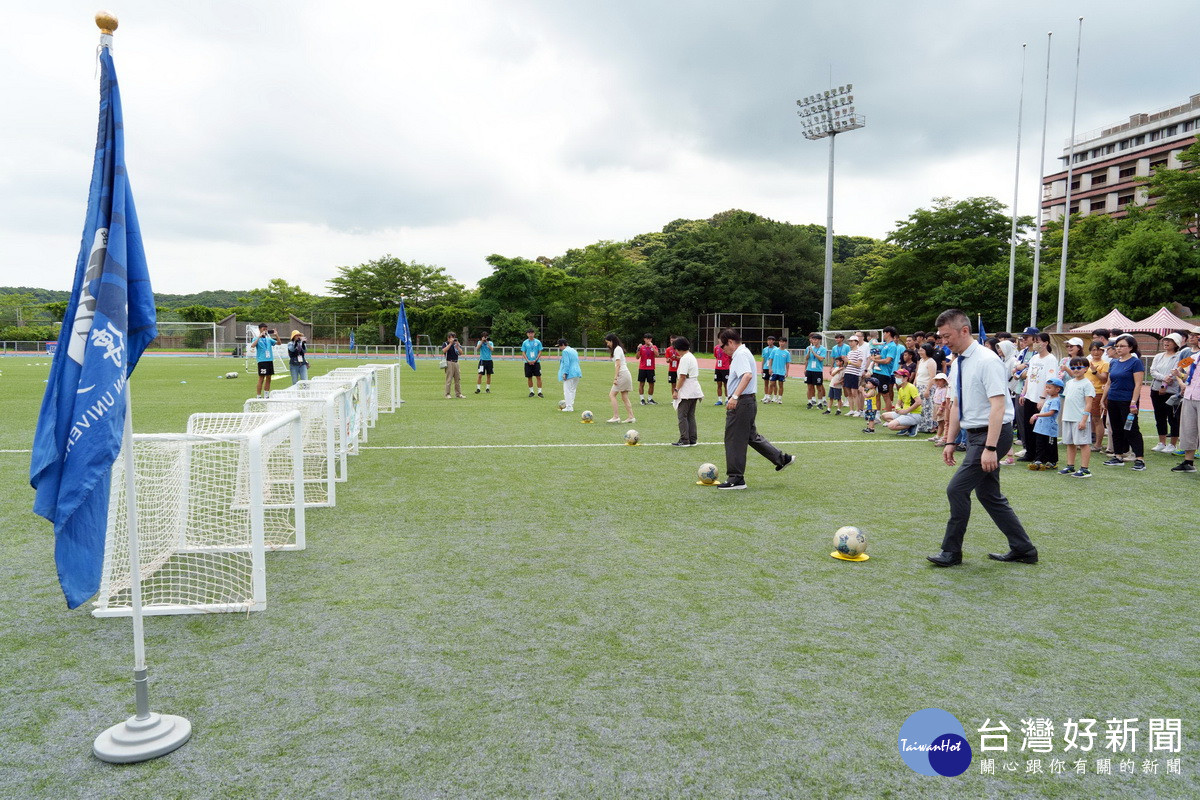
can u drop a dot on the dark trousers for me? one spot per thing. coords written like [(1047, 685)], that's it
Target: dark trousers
[(740, 433), (1166, 418), (1124, 440), (1021, 421), (1047, 449), (1033, 439), (687, 420), (970, 477)]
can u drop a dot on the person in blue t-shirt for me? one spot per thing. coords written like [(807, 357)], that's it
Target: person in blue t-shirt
[(766, 368), (531, 348), (814, 370), (886, 361), (264, 353), (484, 348), (1045, 422), (781, 357)]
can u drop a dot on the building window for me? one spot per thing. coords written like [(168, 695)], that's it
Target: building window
[(1098, 206), (1127, 172), (1191, 123), (1079, 157), (1156, 164), (1112, 148), (1124, 200), (1124, 145), (1074, 185), (1099, 178), (1171, 130), (1075, 209), (1155, 135), (1139, 140)]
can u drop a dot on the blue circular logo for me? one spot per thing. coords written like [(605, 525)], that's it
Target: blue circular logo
[(934, 742)]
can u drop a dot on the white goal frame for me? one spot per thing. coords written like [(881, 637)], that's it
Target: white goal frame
[(214, 345), (388, 379), (279, 351), (171, 530), (322, 453)]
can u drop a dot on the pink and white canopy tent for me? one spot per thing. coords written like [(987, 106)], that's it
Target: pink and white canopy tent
[(1113, 319), (1162, 322)]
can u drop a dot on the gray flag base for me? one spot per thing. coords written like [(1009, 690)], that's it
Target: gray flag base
[(145, 735)]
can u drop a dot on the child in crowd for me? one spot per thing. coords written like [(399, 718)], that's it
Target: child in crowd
[(1078, 398), (781, 357), (766, 368), (870, 402), (836, 377), (940, 408), (1045, 424)]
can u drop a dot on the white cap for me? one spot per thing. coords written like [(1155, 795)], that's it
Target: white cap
[(1176, 338), (1075, 340), (941, 376)]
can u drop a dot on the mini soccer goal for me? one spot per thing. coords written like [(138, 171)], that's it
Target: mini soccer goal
[(208, 507), (345, 442), (324, 457), (355, 418), (388, 380), (371, 386)]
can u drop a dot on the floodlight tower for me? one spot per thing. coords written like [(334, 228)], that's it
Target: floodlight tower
[(825, 115)]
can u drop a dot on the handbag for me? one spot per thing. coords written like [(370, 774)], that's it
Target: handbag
[(442, 364)]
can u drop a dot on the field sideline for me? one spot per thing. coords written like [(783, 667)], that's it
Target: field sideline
[(508, 603)]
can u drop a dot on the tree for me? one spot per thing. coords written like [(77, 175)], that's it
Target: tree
[(1151, 265), (277, 300), (1177, 192), (953, 254), (382, 282)]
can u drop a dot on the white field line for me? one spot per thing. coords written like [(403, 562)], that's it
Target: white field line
[(599, 444)]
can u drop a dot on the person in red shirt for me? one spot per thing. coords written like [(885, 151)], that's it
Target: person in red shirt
[(672, 358), (721, 373), (647, 353)]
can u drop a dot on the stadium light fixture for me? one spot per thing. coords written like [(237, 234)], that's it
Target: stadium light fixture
[(823, 116)]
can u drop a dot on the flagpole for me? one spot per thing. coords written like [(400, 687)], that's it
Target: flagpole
[(1012, 248), (1037, 246), (1062, 269), (145, 735)]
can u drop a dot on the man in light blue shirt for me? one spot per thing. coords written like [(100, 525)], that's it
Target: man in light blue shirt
[(979, 397), (886, 362), (569, 373), (781, 357), (484, 348), (264, 353), (814, 370), (740, 412), (531, 348)]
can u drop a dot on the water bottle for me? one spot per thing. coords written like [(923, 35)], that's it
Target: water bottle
[(1129, 420)]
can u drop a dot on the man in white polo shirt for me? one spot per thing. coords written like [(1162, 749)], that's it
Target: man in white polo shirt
[(740, 411), (979, 391)]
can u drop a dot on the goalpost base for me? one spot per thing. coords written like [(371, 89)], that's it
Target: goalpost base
[(142, 739)]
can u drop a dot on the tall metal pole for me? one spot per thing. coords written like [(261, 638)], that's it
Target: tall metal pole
[(1012, 248), (1037, 243), (1062, 269), (827, 306)]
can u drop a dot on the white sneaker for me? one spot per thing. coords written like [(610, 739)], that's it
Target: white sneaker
[(1159, 448)]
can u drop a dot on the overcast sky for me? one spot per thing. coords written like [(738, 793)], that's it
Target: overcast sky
[(282, 139)]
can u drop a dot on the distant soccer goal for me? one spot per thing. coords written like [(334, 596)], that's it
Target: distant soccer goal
[(754, 328), (190, 337), (207, 506), (279, 353)]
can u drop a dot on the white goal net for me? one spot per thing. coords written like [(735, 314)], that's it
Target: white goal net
[(388, 378), (324, 460), (208, 507)]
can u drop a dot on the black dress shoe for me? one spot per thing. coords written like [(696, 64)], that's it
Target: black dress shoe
[(1012, 555), (945, 559)]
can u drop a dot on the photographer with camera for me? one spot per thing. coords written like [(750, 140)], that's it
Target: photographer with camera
[(264, 352), (484, 348), (298, 357), (451, 350)]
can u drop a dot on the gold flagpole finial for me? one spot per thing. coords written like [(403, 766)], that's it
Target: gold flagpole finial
[(106, 21)]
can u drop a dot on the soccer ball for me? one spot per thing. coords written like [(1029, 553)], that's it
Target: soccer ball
[(850, 541), (562, 404), (707, 473), (632, 436), (587, 416)]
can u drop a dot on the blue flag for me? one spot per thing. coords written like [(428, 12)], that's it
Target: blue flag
[(108, 323), (405, 336), (982, 333)]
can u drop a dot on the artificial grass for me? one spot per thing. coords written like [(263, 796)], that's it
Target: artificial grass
[(588, 622)]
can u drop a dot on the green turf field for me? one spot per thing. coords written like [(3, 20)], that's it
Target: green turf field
[(484, 615)]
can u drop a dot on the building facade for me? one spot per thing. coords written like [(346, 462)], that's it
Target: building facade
[(1110, 162)]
